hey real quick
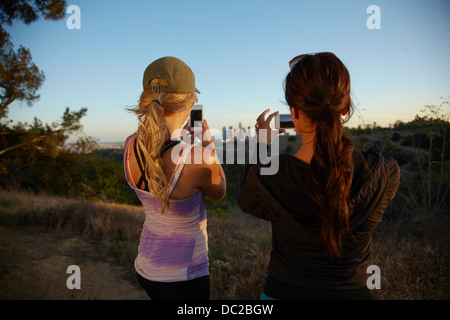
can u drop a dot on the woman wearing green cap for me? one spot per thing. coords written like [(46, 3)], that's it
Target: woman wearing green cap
[(172, 260)]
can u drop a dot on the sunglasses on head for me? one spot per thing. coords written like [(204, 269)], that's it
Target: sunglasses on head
[(297, 59)]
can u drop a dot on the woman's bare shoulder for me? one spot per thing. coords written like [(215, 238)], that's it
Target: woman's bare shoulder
[(129, 138)]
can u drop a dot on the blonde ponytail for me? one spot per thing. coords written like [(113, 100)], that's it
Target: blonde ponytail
[(153, 132)]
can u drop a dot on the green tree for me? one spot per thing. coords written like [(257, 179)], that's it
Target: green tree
[(20, 78), (24, 145), (85, 144), (429, 187)]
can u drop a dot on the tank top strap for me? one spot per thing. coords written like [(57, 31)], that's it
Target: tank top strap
[(126, 161), (179, 166)]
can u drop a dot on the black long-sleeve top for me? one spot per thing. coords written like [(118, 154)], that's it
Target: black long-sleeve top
[(298, 255)]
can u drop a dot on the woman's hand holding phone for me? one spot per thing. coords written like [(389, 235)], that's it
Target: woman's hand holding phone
[(264, 124), (187, 128), (205, 137), (206, 134)]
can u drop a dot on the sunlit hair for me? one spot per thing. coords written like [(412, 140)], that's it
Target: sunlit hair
[(319, 85), (153, 132)]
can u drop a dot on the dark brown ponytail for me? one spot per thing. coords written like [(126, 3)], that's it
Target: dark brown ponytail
[(319, 85)]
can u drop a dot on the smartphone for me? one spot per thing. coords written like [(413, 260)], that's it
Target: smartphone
[(196, 115), (284, 121)]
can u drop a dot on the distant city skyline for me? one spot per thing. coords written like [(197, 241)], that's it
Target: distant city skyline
[(229, 132)]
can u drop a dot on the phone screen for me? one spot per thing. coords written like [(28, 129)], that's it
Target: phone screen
[(196, 115), (286, 121)]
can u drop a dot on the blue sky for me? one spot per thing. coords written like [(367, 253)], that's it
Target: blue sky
[(239, 52)]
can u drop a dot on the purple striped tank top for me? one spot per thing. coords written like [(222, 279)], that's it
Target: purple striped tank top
[(174, 245)]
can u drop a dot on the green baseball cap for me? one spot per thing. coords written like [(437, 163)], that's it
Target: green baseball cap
[(177, 74)]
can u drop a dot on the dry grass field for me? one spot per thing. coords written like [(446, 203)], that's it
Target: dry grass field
[(41, 235)]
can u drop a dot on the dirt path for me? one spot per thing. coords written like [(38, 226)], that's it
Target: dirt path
[(33, 265)]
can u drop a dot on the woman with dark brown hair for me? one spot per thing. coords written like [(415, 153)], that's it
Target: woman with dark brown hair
[(326, 200)]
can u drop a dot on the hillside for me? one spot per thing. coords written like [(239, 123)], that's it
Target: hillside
[(41, 235)]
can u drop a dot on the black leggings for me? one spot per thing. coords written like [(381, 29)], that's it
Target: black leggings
[(196, 289)]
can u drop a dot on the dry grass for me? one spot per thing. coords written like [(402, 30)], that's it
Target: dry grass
[(97, 220), (414, 259), (413, 255), (239, 255)]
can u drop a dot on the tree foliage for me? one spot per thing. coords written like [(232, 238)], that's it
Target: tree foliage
[(28, 11), (20, 78), (23, 145)]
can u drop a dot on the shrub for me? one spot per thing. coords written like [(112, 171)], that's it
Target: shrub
[(396, 136)]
